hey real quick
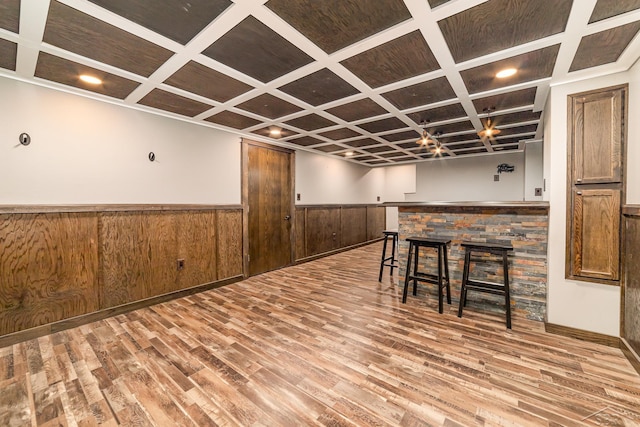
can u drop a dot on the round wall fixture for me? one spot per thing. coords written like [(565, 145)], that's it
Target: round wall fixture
[(24, 138), (152, 156)]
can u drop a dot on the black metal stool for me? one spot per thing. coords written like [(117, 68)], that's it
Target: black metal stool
[(392, 261), (482, 286), (441, 279)]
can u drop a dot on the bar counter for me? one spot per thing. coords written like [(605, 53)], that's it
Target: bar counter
[(523, 224)]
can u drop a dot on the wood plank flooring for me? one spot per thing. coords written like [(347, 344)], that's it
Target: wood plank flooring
[(322, 343)]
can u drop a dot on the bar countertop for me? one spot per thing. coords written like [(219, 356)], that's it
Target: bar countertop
[(478, 205)]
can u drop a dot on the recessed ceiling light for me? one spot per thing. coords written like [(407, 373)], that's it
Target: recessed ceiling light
[(507, 72), (348, 153), (90, 79), (275, 131)]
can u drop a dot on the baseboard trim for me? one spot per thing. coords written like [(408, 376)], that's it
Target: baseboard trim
[(61, 325), (594, 337), (630, 354), (336, 251)]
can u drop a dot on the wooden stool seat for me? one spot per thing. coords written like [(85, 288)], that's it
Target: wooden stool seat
[(441, 278), (484, 286), (392, 261)]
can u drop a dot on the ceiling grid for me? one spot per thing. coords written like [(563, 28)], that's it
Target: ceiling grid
[(351, 79)]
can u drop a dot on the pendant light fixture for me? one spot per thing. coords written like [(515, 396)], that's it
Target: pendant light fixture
[(424, 139), (428, 138), (489, 130)]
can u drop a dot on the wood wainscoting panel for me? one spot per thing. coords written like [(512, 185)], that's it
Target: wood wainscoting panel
[(631, 294), (197, 246), (326, 229), (138, 256), (67, 264), (49, 265), (322, 230), (376, 221), (353, 225), (300, 244), (229, 243)]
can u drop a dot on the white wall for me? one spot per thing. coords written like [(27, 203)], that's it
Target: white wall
[(588, 306), (325, 180), (84, 151), (470, 179), (398, 181), (633, 138), (533, 166)]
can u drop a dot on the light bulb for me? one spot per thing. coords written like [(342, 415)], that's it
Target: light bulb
[(275, 131), (507, 72), (90, 79)]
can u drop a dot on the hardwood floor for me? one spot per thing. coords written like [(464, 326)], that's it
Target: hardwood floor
[(322, 343)]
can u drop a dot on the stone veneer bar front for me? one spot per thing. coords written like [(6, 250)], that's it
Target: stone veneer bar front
[(524, 225)]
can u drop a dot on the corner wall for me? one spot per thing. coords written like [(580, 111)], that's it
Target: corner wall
[(324, 180), (398, 181), (533, 170), (587, 306)]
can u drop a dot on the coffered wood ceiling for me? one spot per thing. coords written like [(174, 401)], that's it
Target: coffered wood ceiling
[(336, 76)]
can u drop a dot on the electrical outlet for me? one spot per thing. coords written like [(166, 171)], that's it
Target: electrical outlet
[(378, 198), (298, 196), (496, 177), (180, 264)]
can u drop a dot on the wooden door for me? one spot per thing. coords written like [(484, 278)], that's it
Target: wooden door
[(596, 234), (630, 330), (269, 208)]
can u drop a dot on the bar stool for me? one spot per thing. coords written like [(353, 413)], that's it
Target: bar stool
[(392, 261), (441, 279), (483, 286)]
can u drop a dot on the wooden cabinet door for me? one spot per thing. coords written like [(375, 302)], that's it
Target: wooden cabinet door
[(595, 234), (597, 132)]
